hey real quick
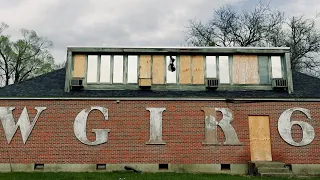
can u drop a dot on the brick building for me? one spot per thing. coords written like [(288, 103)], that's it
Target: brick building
[(163, 109)]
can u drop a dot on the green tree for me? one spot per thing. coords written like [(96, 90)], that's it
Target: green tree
[(24, 58)]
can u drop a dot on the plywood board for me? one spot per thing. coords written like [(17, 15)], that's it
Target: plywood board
[(245, 69), (185, 70), (259, 133), (145, 66), (252, 75), (198, 70), (79, 65), (145, 82), (158, 63)]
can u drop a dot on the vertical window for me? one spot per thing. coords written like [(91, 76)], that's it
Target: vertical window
[(105, 69), (264, 69), (171, 72), (224, 74), (211, 67), (118, 69), (92, 71), (132, 69), (276, 67)]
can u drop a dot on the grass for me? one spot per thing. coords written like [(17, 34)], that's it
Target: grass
[(130, 176)]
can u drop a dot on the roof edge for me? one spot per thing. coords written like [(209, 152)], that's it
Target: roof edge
[(163, 99), (133, 49)]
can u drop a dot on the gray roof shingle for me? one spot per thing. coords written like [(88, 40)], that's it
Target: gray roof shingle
[(52, 85)]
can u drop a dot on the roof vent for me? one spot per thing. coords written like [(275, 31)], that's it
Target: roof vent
[(77, 83), (212, 82), (279, 83)]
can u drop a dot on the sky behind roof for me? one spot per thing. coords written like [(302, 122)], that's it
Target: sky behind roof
[(122, 22)]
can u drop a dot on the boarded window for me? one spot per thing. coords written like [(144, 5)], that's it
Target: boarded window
[(158, 69), (264, 69), (171, 72), (211, 66), (105, 69), (276, 67), (132, 69), (118, 69), (198, 69), (185, 69), (79, 65), (224, 74), (92, 71), (245, 69)]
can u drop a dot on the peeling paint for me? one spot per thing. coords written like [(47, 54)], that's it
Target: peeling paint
[(10, 127), (211, 133), (80, 127), (284, 127)]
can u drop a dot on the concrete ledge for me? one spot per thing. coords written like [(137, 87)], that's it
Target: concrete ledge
[(22, 167), (204, 168), (239, 168), (69, 167), (306, 169), (196, 168), (5, 167)]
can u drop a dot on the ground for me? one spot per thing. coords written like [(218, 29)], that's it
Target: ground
[(131, 176)]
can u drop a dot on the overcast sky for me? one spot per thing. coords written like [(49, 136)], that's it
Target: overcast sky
[(121, 22)]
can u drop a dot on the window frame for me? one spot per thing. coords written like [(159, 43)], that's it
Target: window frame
[(177, 61), (230, 60), (124, 72), (282, 63)]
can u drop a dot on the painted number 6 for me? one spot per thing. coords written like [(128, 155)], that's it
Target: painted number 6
[(284, 127)]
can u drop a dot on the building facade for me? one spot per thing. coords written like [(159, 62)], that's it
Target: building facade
[(163, 109)]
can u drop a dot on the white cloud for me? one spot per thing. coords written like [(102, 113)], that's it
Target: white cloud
[(114, 23)]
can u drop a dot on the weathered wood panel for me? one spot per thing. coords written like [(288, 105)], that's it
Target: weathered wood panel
[(259, 133), (252, 75), (145, 82), (158, 69), (79, 65), (245, 69), (185, 70), (198, 69), (145, 66)]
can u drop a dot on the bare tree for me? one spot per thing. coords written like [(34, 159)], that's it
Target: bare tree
[(231, 28), (260, 26), (25, 58), (304, 41)]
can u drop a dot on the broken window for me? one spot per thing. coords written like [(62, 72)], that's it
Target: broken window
[(92, 70), (171, 73), (224, 74)]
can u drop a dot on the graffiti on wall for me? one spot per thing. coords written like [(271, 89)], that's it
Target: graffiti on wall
[(10, 126)]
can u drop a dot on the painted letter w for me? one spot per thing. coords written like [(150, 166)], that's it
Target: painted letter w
[(10, 127)]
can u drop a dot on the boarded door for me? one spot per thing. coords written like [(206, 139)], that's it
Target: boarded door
[(260, 145)]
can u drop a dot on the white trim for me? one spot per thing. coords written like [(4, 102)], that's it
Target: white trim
[(177, 47)]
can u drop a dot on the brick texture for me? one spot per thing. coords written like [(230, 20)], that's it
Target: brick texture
[(53, 141)]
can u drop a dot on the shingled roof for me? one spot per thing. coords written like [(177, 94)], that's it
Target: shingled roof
[(51, 85)]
